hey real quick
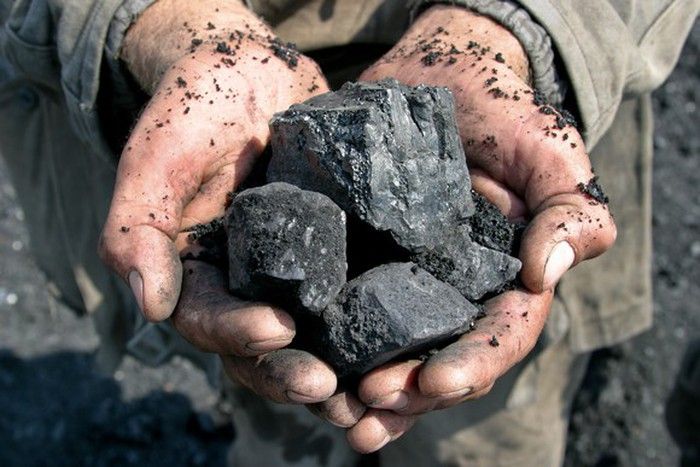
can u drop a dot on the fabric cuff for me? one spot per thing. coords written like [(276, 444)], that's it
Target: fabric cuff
[(123, 98), (123, 18), (532, 37)]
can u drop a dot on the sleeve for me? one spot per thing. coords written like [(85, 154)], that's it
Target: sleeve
[(609, 48), (67, 45)]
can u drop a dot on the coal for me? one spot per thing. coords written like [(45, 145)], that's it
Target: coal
[(287, 246), (388, 311), (389, 154), (490, 228), (474, 270), (390, 158)]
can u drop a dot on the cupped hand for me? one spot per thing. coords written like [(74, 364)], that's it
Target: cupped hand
[(529, 160), (196, 141)]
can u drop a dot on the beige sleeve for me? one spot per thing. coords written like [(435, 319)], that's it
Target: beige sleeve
[(614, 48)]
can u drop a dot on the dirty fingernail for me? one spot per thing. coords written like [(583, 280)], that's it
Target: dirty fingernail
[(136, 284), (560, 260), (300, 398), (269, 345), (463, 392), (381, 444), (397, 400)]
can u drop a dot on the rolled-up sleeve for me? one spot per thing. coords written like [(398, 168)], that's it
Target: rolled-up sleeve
[(64, 44)]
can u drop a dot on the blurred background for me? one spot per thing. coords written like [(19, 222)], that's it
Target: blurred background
[(55, 409)]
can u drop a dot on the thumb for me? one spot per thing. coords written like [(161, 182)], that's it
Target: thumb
[(147, 259), (138, 239), (159, 175), (567, 229)]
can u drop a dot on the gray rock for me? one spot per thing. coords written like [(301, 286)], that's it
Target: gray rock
[(390, 310), (388, 153), (287, 246), (472, 269)]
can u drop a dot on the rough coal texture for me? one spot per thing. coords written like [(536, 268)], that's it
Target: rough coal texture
[(593, 189), (389, 154), (471, 268), (213, 240), (391, 310), (286, 245), (490, 228)]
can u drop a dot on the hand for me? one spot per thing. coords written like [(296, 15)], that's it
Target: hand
[(526, 159), (216, 76)]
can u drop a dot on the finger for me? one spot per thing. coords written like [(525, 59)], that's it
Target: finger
[(394, 387), (376, 429), (213, 320), (287, 376), (446, 403), (146, 258), (567, 229), (497, 193), (342, 409), (469, 367)]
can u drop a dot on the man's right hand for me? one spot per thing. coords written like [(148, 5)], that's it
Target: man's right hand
[(216, 77)]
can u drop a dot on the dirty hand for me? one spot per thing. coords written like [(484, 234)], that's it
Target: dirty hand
[(216, 76), (529, 161)]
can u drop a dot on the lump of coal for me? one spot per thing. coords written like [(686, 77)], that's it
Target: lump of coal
[(490, 228), (472, 269), (286, 245), (388, 311), (388, 153)]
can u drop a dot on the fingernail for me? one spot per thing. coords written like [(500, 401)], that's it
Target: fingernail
[(136, 284), (454, 394), (381, 444), (269, 345), (300, 398), (560, 260), (397, 400)]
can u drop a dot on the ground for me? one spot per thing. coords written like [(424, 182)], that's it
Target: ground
[(55, 409)]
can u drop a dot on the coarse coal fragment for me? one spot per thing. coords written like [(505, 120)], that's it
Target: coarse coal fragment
[(286, 245), (387, 153), (490, 228), (593, 189), (474, 270), (388, 311)]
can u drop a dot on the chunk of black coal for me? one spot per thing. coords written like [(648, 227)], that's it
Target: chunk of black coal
[(388, 153), (490, 228), (474, 270), (388, 311), (286, 245)]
